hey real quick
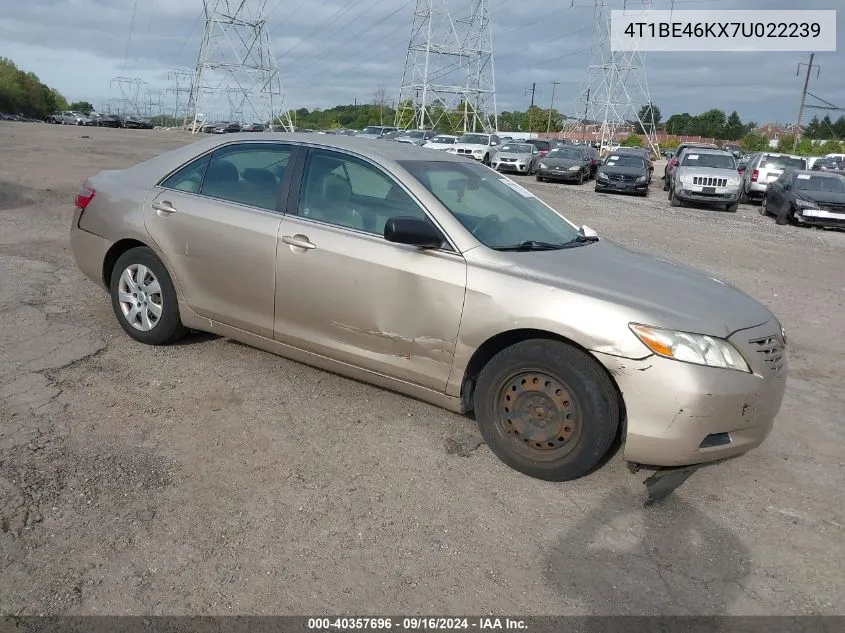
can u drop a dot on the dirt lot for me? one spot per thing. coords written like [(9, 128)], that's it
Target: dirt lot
[(212, 478)]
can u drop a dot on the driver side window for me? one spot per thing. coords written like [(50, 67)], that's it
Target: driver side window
[(345, 191)]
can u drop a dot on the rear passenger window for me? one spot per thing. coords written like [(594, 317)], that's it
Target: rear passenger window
[(248, 174), (189, 178)]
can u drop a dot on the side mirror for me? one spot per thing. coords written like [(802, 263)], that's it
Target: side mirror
[(412, 231)]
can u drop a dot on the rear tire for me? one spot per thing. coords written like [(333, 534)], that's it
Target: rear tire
[(764, 207), (547, 409), (540, 179), (665, 184), (144, 298)]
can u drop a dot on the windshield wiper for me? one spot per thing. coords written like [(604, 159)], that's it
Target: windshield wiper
[(530, 245), (581, 240)]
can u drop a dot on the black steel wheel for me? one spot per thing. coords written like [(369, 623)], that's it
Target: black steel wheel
[(547, 409)]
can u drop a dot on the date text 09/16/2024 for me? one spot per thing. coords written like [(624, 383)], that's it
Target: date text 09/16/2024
[(415, 624)]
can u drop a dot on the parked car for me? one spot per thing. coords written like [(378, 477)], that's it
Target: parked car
[(392, 136), (375, 131), (766, 167), (106, 120), (480, 147), (669, 170), (253, 127), (416, 137), (646, 154), (829, 164), (593, 154), (521, 158), (806, 197), (626, 173), (706, 176), (228, 127), (70, 117), (137, 122), (441, 141), (564, 163), (497, 304), (543, 146)]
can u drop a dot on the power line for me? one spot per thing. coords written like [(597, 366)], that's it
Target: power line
[(343, 9), (129, 39)]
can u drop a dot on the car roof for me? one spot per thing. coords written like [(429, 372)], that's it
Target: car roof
[(710, 150)]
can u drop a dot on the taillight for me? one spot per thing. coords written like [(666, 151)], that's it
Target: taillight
[(754, 175), (673, 162), (84, 196)]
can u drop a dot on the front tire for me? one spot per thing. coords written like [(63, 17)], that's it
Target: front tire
[(783, 218), (144, 298), (547, 409), (581, 178), (732, 208), (673, 200)]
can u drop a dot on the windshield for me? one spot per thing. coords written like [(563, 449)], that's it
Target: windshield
[(540, 144), (832, 183), (624, 161), (517, 149), (496, 210), (372, 130), (782, 162), (714, 161), (570, 154), (415, 134), (474, 139), (444, 140)]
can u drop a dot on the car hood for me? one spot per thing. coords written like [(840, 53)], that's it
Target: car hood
[(627, 171), (657, 292), (472, 146), (831, 197), (562, 162), (708, 171)]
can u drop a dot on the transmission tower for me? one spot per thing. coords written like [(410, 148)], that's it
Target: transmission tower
[(181, 87), (615, 87), (130, 88), (448, 78), (236, 71)]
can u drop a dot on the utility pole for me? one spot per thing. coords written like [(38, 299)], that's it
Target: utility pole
[(810, 67), (533, 90), (551, 106)]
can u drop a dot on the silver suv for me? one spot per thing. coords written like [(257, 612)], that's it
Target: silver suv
[(707, 176), (766, 167)]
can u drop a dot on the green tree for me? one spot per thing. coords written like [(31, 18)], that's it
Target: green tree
[(23, 93), (632, 140), (805, 147), (754, 143), (830, 146), (785, 143), (838, 128), (679, 124), (814, 129), (710, 124), (648, 118), (734, 128), (670, 143), (81, 106)]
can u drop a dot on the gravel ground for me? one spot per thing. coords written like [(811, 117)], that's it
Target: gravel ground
[(212, 478)]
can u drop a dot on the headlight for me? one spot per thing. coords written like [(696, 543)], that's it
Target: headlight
[(733, 182), (806, 204), (691, 348), (685, 179), (451, 150), (543, 166), (642, 179), (478, 151), (601, 176), (574, 168)]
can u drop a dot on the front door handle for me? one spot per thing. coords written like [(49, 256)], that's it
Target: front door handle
[(299, 241), (163, 208)]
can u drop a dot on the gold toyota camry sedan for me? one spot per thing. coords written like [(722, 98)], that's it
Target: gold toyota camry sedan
[(435, 276)]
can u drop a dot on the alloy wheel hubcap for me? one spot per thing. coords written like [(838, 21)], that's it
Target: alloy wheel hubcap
[(140, 298), (537, 412)]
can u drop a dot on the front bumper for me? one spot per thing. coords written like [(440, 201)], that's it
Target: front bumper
[(615, 185), (559, 174), (707, 195), (520, 168), (821, 217), (680, 414)]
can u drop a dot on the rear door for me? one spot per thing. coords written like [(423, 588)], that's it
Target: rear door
[(216, 221)]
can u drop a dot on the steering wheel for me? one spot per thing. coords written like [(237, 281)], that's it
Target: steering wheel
[(487, 223)]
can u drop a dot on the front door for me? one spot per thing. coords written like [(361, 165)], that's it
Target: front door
[(345, 292), (216, 221)]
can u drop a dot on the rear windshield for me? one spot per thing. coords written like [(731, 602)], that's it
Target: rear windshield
[(562, 152), (835, 184), (714, 161), (540, 144), (782, 162)]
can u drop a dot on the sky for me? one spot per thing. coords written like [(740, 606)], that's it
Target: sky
[(339, 51)]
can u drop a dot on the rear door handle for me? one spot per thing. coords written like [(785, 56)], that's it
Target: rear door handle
[(163, 207), (300, 241)]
